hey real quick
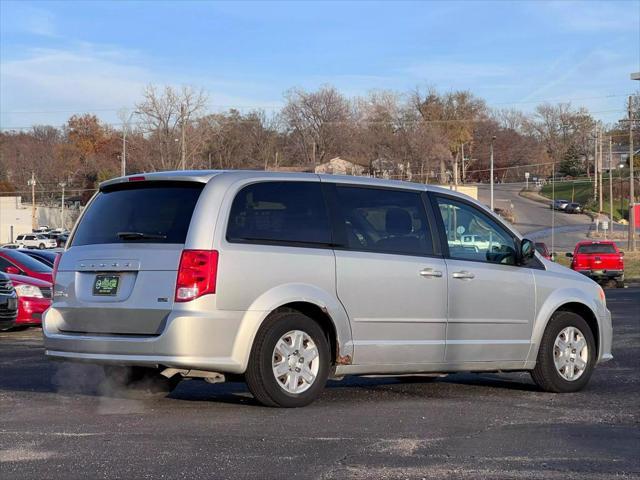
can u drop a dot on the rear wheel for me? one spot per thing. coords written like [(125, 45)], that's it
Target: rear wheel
[(289, 362), (41, 246), (567, 354)]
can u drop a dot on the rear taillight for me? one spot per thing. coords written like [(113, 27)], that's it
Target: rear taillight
[(196, 274)]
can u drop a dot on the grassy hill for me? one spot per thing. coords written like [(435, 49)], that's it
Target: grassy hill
[(581, 191)]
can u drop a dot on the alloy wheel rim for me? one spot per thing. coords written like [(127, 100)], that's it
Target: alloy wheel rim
[(570, 353), (295, 362)]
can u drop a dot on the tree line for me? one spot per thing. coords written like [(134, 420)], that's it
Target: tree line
[(422, 135)]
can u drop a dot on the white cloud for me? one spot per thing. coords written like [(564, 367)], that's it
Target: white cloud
[(49, 85), (67, 80)]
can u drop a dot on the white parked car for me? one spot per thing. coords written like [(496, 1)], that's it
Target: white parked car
[(33, 240)]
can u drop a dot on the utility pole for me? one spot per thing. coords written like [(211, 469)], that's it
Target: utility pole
[(126, 117), (600, 165), (183, 151), (632, 220), (62, 184), (462, 161), (32, 184), (553, 209), (595, 167), (610, 187), (123, 163), (276, 161), (491, 171)]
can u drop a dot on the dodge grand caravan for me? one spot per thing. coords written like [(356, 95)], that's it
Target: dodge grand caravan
[(289, 279)]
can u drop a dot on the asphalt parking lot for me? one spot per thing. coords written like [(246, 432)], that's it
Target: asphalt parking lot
[(57, 421)]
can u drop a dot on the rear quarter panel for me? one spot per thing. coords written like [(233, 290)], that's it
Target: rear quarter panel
[(257, 279)]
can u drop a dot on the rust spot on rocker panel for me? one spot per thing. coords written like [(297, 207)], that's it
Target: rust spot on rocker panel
[(343, 360)]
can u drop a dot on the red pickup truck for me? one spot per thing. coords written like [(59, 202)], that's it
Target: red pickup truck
[(601, 261)]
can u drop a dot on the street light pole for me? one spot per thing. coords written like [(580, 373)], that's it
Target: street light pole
[(32, 184), (491, 171)]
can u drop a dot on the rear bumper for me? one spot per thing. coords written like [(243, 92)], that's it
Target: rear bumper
[(30, 310), (602, 273), (213, 341)]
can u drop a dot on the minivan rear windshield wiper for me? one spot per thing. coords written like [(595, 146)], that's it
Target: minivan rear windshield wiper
[(140, 236)]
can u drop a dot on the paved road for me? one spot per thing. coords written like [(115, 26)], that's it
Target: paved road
[(534, 218), (57, 422)]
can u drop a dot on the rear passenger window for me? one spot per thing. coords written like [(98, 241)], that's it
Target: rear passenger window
[(279, 212), (385, 221)]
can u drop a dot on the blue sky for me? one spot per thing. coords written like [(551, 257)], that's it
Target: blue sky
[(57, 58)]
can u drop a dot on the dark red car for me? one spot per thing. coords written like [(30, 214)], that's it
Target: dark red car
[(543, 250), (34, 297), (601, 261), (17, 263)]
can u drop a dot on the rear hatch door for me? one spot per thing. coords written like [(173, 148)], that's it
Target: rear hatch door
[(118, 275)]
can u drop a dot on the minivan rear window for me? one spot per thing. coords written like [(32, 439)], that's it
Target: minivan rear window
[(597, 248), (141, 212)]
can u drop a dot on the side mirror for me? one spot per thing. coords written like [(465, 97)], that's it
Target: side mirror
[(527, 249), (621, 253), (569, 254), (12, 270)]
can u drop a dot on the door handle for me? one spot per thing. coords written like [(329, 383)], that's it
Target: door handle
[(463, 275), (430, 272)]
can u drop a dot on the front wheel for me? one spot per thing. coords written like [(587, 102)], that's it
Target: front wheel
[(289, 362), (41, 246), (566, 356)]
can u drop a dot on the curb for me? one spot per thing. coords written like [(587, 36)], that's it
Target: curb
[(536, 197)]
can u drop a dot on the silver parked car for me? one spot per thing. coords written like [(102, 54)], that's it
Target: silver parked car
[(289, 279)]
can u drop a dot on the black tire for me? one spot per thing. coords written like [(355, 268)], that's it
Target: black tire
[(18, 328), (41, 246), (259, 375), (545, 374), (140, 381)]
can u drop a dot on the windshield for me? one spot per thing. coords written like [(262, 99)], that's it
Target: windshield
[(597, 248), (149, 212), (28, 262)]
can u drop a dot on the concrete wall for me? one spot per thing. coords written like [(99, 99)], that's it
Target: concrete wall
[(15, 217), (470, 190)]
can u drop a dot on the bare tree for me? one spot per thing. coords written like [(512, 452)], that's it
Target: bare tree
[(164, 114), (318, 122)]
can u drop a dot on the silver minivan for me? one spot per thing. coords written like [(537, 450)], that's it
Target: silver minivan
[(287, 280)]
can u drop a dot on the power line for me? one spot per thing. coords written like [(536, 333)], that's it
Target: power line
[(258, 107), (340, 122)]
